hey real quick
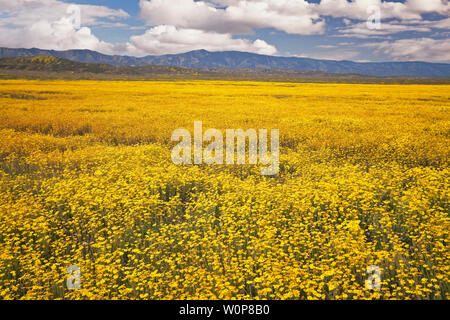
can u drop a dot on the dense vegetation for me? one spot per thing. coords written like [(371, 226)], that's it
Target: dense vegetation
[(86, 179)]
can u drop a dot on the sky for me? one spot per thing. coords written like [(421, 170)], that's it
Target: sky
[(358, 30)]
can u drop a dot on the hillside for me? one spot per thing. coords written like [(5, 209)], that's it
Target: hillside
[(202, 59), (44, 67), (234, 60), (52, 64)]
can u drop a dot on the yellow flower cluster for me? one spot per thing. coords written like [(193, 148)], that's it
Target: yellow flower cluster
[(86, 179)]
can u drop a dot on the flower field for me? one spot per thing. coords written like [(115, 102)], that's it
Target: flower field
[(86, 179)]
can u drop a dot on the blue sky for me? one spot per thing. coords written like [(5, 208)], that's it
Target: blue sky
[(359, 30)]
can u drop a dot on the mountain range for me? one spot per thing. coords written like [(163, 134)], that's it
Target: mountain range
[(46, 67), (202, 59)]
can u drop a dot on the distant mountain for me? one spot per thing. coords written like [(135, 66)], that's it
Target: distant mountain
[(46, 68), (202, 59), (43, 67)]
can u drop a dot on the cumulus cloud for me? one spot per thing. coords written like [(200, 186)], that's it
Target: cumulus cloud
[(291, 16), (49, 24), (174, 26), (420, 6), (358, 9), (21, 13), (189, 14), (420, 49), (237, 17), (166, 39), (58, 35), (298, 17)]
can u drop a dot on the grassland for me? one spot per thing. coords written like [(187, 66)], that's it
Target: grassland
[(86, 179)]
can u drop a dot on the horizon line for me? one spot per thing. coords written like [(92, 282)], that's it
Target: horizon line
[(225, 51)]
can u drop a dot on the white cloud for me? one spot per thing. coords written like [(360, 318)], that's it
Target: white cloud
[(326, 46), (440, 24), (165, 39), (290, 16), (339, 54), (237, 17), (358, 9), (293, 17), (22, 13), (189, 14), (420, 49), (360, 30), (175, 26), (47, 24), (421, 6), (62, 36)]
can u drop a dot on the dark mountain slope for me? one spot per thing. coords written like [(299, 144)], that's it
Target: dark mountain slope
[(60, 65)]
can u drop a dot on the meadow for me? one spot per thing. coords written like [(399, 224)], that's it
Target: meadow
[(86, 179)]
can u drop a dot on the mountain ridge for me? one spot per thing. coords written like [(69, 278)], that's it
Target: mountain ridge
[(203, 59)]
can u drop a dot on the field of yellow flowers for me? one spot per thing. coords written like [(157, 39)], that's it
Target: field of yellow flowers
[(86, 179)]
